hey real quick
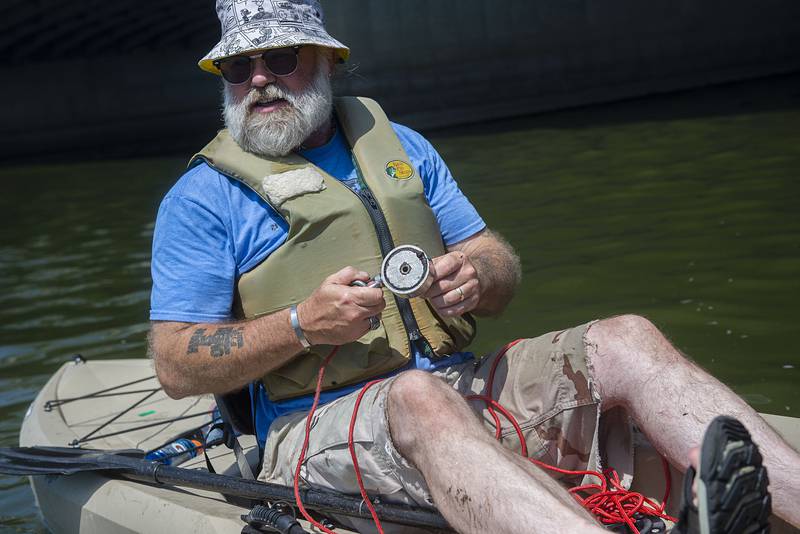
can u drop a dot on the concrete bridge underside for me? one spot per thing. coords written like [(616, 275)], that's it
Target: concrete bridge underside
[(100, 78)]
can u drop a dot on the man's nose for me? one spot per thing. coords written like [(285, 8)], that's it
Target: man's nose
[(261, 76)]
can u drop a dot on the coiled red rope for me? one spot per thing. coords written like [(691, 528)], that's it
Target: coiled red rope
[(608, 500)]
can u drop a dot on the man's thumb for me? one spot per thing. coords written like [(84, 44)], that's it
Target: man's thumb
[(347, 276)]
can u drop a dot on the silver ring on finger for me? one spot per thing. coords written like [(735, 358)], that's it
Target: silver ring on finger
[(460, 294), (374, 322)]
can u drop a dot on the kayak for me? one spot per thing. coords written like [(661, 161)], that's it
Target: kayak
[(118, 404), (113, 405)]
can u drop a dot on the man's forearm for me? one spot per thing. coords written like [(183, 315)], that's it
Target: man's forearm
[(193, 358), (498, 270)]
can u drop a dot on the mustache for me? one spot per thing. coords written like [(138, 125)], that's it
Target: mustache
[(266, 94)]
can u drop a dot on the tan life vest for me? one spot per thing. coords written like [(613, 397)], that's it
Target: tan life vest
[(330, 227)]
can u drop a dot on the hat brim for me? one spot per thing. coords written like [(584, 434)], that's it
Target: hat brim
[(244, 42)]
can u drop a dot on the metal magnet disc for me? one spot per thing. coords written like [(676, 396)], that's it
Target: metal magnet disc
[(405, 269)]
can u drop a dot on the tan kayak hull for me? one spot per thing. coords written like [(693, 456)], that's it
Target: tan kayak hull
[(92, 504)]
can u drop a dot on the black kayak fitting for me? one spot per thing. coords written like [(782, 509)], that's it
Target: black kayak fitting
[(271, 519)]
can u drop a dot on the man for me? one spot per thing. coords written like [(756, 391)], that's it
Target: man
[(256, 252)]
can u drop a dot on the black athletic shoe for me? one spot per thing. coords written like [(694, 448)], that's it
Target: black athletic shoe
[(732, 491)]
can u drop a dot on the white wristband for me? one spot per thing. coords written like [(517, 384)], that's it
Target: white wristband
[(296, 326)]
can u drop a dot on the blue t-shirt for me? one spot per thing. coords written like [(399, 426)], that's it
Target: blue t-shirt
[(211, 229)]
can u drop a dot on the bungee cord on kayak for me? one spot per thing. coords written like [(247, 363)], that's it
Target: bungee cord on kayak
[(107, 392), (86, 439), (113, 392)]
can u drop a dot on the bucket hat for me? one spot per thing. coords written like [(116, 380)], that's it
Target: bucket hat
[(253, 25)]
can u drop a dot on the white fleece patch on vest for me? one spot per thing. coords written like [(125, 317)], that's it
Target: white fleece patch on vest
[(290, 184)]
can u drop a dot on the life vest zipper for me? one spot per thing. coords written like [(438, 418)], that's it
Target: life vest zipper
[(386, 243)]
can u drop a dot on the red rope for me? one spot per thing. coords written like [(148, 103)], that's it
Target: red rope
[(608, 500), (492, 404), (352, 447), (350, 444), (304, 449)]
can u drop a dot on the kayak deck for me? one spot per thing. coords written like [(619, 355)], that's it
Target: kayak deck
[(91, 503)]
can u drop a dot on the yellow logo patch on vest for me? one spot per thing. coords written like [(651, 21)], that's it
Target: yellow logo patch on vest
[(399, 170)]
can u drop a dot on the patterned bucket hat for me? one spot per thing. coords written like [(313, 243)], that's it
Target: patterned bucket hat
[(252, 25)]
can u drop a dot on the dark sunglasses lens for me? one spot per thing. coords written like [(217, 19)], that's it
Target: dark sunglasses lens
[(281, 62), (235, 69)]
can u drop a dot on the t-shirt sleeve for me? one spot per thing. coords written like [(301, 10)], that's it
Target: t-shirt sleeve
[(193, 266), (457, 217)]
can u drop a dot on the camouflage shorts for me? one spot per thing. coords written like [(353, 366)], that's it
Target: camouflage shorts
[(544, 382)]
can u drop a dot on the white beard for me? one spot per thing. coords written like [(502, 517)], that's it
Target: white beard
[(279, 132)]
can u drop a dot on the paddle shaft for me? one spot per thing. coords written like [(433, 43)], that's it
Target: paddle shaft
[(129, 464), (322, 501)]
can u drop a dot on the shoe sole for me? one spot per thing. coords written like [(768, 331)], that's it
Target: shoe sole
[(732, 486)]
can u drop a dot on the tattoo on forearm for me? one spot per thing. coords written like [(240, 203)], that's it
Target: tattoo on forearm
[(220, 342)]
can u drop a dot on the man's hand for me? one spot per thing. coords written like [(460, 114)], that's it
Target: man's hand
[(191, 359), (476, 275), (338, 313), (456, 288)]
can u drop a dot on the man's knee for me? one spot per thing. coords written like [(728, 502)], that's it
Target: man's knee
[(628, 324), (628, 344), (623, 335), (418, 394), (417, 403)]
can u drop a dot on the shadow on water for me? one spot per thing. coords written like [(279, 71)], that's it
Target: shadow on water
[(679, 207), (764, 95)]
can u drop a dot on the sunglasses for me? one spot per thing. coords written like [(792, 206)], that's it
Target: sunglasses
[(238, 69)]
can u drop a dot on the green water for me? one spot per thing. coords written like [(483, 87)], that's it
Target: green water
[(683, 208)]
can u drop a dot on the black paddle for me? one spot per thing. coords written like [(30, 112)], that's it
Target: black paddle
[(130, 464)]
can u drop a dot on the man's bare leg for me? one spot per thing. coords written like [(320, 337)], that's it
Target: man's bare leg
[(477, 484), (672, 401)]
